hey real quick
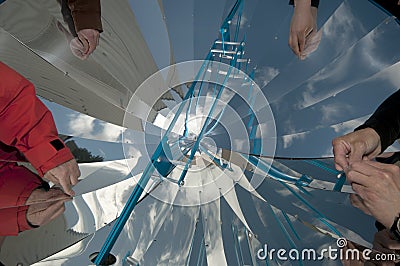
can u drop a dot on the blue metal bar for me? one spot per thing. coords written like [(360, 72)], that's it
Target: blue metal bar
[(322, 166), (192, 87), (216, 122), (283, 229), (339, 184), (144, 179), (125, 257), (304, 181), (207, 121), (239, 4), (251, 113), (215, 86), (239, 19), (150, 168), (290, 224), (215, 160), (276, 174), (320, 216), (340, 175), (225, 31), (223, 39), (125, 214)]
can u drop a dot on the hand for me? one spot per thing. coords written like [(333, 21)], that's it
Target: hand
[(66, 175), (364, 144), (378, 189), (312, 43), (352, 261), (385, 244), (45, 206), (86, 42), (304, 22)]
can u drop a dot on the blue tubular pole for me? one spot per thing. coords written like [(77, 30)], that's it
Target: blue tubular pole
[(225, 36), (238, 22), (340, 175), (274, 172), (322, 166), (186, 131), (339, 184), (215, 160), (203, 129), (150, 168), (144, 179), (284, 230), (125, 214), (252, 99), (320, 216), (280, 177), (225, 24), (290, 224)]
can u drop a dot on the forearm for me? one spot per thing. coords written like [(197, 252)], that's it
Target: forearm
[(386, 120), (67, 17), (86, 14), (27, 124)]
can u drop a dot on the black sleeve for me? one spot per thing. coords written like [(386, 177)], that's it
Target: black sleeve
[(67, 17), (314, 3), (386, 120)]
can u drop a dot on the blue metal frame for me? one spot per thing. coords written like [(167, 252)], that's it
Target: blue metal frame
[(165, 167), (144, 179)]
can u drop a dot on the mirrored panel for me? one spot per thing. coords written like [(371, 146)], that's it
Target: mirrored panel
[(201, 139)]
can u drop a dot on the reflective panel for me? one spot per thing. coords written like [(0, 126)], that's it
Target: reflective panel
[(201, 139)]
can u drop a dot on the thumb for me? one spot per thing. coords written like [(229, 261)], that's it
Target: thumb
[(66, 186), (84, 43)]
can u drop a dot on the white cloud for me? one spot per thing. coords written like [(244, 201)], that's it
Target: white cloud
[(81, 125), (243, 21), (265, 74), (341, 23), (288, 139), (334, 110), (349, 126)]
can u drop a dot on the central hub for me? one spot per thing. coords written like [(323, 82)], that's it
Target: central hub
[(194, 125)]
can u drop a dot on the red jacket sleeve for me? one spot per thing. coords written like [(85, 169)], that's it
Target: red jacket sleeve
[(27, 124), (13, 221), (16, 185)]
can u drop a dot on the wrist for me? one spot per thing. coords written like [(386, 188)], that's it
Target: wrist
[(376, 139), (302, 3), (371, 139)]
